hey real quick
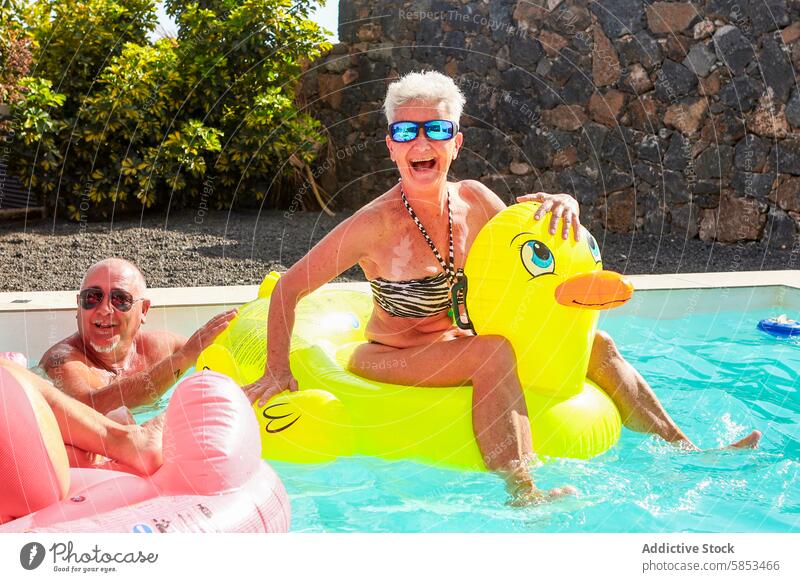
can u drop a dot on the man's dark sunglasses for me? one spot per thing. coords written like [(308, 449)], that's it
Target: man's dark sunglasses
[(436, 129), (119, 299)]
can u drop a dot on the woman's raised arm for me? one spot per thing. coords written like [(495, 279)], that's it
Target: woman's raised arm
[(342, 248)]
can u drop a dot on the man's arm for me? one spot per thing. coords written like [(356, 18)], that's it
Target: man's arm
[(69, 371), (73, 377)]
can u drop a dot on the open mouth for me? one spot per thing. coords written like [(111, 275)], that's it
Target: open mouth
[(104, 325), (423, 164)]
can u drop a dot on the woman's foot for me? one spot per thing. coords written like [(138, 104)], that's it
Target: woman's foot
[(534, 496), (749, 442), (523, 491)]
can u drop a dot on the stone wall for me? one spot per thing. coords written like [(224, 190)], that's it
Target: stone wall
[(666, 117)]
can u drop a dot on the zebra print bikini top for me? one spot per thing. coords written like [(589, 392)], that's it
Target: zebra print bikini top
[(419, 297)]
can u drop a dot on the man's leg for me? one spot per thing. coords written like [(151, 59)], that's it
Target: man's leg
[(638, 405), (84, 428)]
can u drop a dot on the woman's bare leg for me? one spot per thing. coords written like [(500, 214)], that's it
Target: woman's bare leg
[(499, 413), (638, 405)]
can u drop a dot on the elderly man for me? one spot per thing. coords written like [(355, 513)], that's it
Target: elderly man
[(111, 362)]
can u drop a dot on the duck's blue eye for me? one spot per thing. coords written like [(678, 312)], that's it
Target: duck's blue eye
[(593, 246), (537, 258)]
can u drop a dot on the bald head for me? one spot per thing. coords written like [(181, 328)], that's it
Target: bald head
[(117, 269), (110, 322)]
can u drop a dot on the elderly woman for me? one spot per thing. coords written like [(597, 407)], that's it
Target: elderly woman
[(410, 242)]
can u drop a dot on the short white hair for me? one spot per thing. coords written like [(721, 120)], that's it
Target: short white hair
[(429, 87)]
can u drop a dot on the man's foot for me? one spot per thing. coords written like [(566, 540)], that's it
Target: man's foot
[(749, 442), (80, 459), (156, 423), (142, 449), (121, 415)]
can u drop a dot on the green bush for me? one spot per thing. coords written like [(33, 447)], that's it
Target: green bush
[(15, 53), (35, 131), (147, 123), (26, 125)]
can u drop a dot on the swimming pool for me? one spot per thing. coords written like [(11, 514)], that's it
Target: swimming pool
[(716, 374)]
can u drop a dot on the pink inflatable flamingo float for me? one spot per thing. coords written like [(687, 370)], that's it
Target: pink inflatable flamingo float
[(212, 479)]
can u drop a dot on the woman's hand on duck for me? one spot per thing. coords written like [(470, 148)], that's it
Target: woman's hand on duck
[(562, 207), (270, 384)]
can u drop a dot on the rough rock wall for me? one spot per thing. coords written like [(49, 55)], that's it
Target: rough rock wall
[(669, 117)]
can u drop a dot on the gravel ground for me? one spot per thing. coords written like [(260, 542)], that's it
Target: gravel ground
[(185, 249)]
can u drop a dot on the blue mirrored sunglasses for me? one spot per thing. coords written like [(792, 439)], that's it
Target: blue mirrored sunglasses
[(436, 129)]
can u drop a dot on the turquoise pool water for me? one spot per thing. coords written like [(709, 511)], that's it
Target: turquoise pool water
[(716, 374)]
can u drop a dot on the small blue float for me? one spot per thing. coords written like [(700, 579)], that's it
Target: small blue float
[(780, 326)]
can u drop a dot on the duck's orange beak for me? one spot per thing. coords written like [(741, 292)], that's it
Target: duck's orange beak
[(595, 290)]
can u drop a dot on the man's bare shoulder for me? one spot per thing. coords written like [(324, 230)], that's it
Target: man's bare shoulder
[(158, 344), (64, 352), (64, 363)]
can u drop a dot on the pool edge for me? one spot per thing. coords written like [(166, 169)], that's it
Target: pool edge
[(14, 301)]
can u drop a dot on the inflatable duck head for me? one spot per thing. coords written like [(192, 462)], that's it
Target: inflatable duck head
[(542, 293)]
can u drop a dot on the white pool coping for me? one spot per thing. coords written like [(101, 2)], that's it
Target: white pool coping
[(240, 294), (34, 321), (717, 280)]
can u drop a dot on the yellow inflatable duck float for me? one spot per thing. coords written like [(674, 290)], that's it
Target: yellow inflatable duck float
[(541, 292)]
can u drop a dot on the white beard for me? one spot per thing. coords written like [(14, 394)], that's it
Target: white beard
[(107, 349)]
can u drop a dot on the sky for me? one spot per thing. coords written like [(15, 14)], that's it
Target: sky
[(327, 16)]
